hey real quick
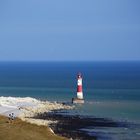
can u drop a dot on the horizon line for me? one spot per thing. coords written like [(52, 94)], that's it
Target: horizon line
[(69, 60)]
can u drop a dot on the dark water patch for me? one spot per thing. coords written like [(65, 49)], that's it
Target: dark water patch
[(77, 127)]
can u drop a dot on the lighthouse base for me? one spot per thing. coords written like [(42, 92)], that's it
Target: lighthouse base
[(77, 101)]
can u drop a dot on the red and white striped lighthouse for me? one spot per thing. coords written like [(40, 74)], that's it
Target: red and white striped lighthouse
[(79, 99), (79, 86)]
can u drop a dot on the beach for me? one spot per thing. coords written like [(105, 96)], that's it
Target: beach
[(56, 118), (26, 108), (44, 113)]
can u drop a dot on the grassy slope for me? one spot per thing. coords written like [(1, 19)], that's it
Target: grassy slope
[(20, 130)]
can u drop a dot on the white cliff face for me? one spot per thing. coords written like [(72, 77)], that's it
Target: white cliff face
[(27, 107), (17, 101)]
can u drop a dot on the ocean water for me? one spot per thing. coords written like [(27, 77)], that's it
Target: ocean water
[(111, 89)]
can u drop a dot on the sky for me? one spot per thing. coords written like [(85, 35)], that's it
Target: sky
[(69, 30)]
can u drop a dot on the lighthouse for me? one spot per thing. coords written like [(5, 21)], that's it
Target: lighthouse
[(79, 98)]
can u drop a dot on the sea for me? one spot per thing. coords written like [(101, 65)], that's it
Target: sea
[(111, 90)]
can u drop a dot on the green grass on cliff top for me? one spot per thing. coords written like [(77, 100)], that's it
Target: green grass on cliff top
[(19, 130)]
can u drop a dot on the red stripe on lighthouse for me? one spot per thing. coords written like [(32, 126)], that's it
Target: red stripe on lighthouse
[(79, 88)]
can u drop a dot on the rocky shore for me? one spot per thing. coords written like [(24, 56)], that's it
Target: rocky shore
[(74, 126), (26, 108), (53, 114)]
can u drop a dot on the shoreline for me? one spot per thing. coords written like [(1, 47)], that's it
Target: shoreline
[(74, 126), (87, 127), (54, 116), (26, 108)]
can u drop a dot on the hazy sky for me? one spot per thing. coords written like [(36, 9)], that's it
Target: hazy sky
[(69, 30)]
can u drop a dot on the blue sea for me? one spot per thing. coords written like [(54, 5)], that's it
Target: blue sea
[(111, 89)]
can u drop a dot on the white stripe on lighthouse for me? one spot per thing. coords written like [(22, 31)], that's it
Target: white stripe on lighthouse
[(80, 95), (79, 82)]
